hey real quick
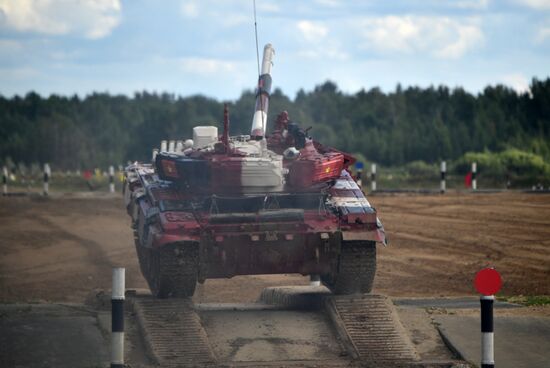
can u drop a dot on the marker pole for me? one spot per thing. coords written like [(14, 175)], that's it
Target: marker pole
[(111, 179), (117, 318), (359, 180), (47, 174), (163, 146), (171, 146), (487, 336), (373, 177), (5, 181), (474, 172), (443, 173), (155, 153)]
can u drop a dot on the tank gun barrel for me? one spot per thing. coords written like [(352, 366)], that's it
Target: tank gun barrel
[(259, 121)]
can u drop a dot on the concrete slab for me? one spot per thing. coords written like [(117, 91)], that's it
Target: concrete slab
[(451, 303), (423, 334), (50, 335), (520, 342), (271, 335)]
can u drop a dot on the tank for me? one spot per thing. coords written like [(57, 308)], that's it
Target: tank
[(217, 206)]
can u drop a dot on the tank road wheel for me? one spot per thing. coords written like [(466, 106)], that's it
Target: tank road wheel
[(173, 270), (355, 269)]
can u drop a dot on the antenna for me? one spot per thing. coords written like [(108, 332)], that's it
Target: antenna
[(258, 62), (256, 34)]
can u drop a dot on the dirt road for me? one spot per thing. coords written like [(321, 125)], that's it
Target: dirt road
[(61, 249), (438, 243)]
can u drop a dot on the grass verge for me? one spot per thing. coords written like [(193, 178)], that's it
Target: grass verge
[(527, 300)]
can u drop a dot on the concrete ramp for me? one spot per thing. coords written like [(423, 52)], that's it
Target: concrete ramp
[(251, 336), (289, 326), (372, 329), (367, 324), (172, 332)]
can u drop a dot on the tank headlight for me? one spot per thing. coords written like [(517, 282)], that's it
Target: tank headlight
[(169, 168)]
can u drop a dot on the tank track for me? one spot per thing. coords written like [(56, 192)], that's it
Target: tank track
[(143, 256), (170, 271), (355, 270)]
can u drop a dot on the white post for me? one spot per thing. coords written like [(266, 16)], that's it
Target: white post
[(179, 146), (373, 177), (117, 318), (443, 173), (111, 179), (5, 181), (155, 153), (163, 146), (474, 179), (47, 174), (171, 146)]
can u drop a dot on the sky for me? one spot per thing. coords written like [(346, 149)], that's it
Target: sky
[(207, 47)]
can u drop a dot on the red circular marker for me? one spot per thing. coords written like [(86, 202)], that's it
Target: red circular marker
[(488, 281)]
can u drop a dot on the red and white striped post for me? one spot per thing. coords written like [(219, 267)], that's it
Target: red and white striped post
[(474, 174), (487, 282)]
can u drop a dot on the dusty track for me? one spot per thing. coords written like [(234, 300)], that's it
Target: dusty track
[(61, 249), (438, 243)]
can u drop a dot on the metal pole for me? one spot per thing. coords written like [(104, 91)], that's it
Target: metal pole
[(47, 174), (111, 179), (5, 181), (487, 336), (117, 318), (443, 173), (474, 172), (373, 177)]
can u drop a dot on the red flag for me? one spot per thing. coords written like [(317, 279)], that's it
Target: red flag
[(468, 180)]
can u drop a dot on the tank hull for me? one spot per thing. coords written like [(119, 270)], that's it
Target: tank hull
[(268, 233)]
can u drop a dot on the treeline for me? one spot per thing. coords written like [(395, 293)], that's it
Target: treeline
[(406, 125)]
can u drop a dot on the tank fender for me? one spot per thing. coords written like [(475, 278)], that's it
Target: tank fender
[(152, 215), (137, 196), (378, 234)]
